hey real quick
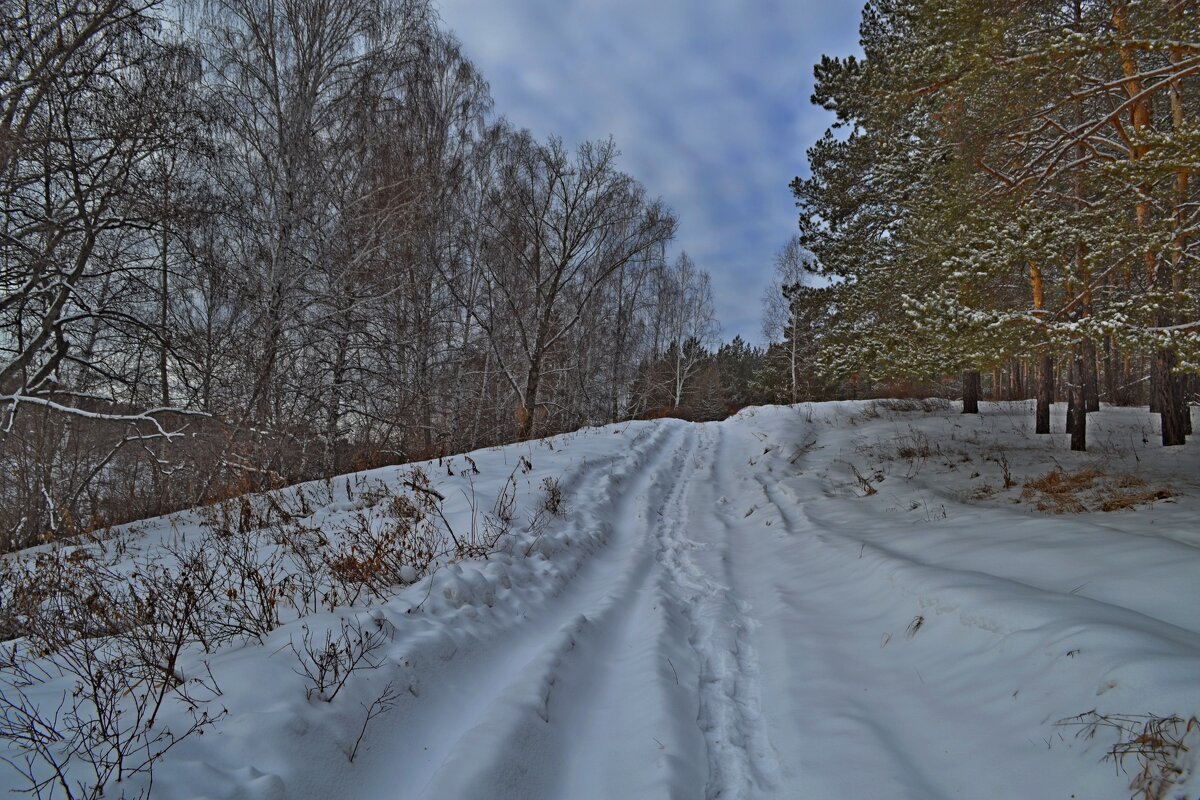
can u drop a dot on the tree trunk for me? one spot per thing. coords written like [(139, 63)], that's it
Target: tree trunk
[(1187, 389), (333, 408), (1170, 396), (794, 344), (1069, 425), (1155, 387), (1091, 379), (1045, 393), (972, 383), (527, 413), (1173, 398), (1111, 368), (1181, 405), (164, 385), (1077, 409), (1016, 380), (1141, 121)]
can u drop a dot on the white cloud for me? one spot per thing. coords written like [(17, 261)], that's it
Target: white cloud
[(704, 97)]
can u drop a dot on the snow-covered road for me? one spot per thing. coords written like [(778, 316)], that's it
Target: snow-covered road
[(641, 680), (752, 628), (840, 601)]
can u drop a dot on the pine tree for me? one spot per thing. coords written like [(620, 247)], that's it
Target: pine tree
[(1015, 185)]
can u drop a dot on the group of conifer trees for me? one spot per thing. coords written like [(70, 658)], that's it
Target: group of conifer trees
[(1008, 191)]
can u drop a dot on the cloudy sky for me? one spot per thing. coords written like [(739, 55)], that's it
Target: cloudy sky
[(707, 101)]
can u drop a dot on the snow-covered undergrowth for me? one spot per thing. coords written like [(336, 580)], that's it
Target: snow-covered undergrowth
[(839, 600)]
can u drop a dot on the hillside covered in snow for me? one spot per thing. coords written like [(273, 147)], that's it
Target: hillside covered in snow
[(859, 599)]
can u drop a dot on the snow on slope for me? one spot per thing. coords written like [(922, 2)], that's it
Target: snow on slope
[(727, 611)]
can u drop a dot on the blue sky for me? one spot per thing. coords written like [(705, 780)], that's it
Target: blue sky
[(707, 101)]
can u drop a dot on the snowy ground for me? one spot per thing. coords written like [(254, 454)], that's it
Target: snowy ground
[(830, 601)]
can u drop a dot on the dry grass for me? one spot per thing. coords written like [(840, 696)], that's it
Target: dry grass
[(1158, 745), (982, 492), (1059, 492), (864, 482), (1125, 500), (893, 409), (111, 629), (1056, 492)]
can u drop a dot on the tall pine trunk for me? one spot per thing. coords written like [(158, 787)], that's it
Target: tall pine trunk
[(1045, 393), (1112, 366), (1044, 390), (972, 384), (1077, 407), (1091, 378), (1176, 416), (1155, 389), (1164, 392), (1170, 400)]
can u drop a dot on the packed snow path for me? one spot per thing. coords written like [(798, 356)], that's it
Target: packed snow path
[(753, 628), (847, 600), (641, 680)]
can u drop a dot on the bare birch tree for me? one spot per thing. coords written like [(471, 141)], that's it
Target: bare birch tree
[(560, 228)]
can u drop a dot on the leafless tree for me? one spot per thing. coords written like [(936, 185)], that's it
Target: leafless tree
[(793, 267), (689, 321), (560, 227), (247, 242), (79, 117)]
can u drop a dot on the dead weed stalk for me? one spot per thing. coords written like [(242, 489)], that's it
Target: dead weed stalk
[(1156, 744)]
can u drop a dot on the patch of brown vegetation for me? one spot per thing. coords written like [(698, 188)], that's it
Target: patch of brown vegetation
[(1059, 492), (1129, 481), (1122, 501), (1056, 492), (1158, 746), (983, 491)]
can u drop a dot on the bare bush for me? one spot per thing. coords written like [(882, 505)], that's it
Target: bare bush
[(107, 635), (114, 644), (863, 481), (380, 705), (373, 556), (552, 500), (242, 580), (326, 664), (1001, 459)]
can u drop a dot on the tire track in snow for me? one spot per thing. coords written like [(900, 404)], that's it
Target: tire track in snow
[(545, 727), (620, 691), (465, 667), (843, 576), (741, 761), (639, 679)]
